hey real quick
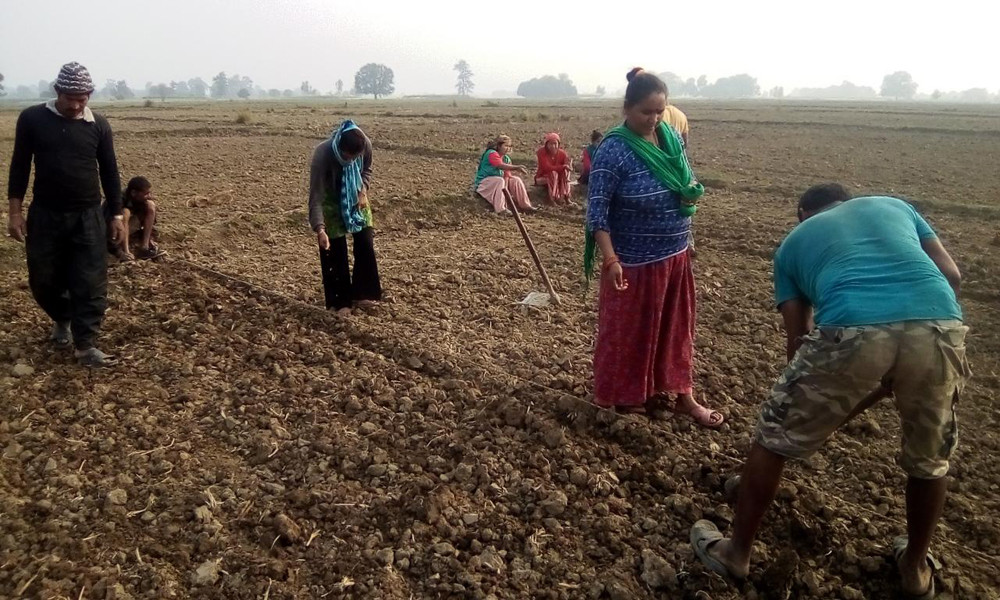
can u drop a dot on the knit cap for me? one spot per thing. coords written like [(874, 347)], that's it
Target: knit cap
[(74, 78)]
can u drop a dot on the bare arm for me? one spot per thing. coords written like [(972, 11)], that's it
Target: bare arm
[(612, 266), (936, 250), (798, 316), (603, 239)]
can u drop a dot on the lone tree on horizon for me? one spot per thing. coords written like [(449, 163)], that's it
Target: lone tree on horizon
[(161, 91), (899, 85), (2, 93), (340, 86), (220, 85), (374, 79), (464, 84)]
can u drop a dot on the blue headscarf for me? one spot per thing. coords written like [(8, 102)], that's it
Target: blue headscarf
[(350, 181)]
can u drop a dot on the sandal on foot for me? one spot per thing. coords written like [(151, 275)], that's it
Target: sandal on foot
[(704, 535), (898, 548), (61, 335), (702, 416), (150, 254), (94, 358)]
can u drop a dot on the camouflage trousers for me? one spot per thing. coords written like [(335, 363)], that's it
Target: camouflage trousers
[(836, 367)]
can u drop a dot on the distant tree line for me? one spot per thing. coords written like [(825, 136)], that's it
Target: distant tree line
[(222, 87), (844, 91), (548, 86), (379, 80), (734, 86)]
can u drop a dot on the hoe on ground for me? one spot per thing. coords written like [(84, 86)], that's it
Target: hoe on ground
[(534, 298)]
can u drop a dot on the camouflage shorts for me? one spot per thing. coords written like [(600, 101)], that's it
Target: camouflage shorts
[(836, 367)]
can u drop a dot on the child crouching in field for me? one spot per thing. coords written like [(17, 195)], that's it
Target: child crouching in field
[(139, 214)]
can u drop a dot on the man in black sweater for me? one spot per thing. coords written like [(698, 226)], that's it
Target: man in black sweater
[(65, 231)]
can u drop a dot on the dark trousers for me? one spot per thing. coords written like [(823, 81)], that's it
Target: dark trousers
[(68, 268), (340, 289)]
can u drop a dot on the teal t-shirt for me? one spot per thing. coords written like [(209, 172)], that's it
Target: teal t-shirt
[(861, 263)]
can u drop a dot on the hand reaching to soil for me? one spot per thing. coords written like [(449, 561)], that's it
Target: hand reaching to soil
[(323, 240)]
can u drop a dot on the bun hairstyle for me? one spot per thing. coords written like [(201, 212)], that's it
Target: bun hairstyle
[(642, 85), (631, 74)]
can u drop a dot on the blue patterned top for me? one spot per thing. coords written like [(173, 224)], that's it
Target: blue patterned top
[(627, 201)]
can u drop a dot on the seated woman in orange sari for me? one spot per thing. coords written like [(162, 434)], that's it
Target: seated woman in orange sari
[(554, 167)]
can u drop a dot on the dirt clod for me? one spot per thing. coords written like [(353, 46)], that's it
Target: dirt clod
[(555, 504), (207, 573), (22, 370), (116, 497), (657, 572), (288, 529)]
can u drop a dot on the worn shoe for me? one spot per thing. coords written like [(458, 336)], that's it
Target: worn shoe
[(61, 335), (94, 358)]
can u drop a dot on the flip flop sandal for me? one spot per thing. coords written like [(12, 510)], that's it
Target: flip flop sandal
[(704, 535), (898, 548), (702, 416), (61, 337), (151, 254)]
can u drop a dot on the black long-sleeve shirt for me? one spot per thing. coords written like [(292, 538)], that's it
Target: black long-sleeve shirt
[(74, 159)]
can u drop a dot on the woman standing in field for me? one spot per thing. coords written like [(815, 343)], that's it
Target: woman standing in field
[(642, 196), (554, 167), (338, 204), (496, 174)]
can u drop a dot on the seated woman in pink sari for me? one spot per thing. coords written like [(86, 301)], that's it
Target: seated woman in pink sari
[(496, 174)]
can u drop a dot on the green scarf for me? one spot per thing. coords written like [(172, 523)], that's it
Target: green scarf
[(668, 164)]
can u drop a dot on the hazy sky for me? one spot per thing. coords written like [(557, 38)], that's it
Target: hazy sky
[(281, 43)]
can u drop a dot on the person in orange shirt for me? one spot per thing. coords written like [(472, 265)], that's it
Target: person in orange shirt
[(554, 167), (678, 120)]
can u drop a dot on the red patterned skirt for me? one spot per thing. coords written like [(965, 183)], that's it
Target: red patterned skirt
[(645, 334)]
